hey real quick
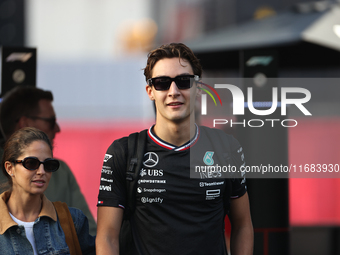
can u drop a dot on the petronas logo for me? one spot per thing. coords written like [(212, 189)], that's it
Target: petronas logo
[(208, 158)]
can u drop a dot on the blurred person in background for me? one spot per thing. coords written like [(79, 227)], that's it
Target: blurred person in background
[(29, 223), (174, 213), (27, 106)]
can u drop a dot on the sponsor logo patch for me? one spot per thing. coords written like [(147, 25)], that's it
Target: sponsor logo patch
[(209, 184), (208, 158), (107, 157), (105, 188), (212, 194), (106, 180), (151, 200), (150, 159)]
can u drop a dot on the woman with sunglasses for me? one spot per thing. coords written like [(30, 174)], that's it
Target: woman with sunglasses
[(29, 223)]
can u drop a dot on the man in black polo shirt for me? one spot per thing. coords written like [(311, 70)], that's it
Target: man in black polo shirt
[(176, 212)]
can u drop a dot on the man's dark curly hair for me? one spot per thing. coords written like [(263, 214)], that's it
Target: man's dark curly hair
[(172, 50)]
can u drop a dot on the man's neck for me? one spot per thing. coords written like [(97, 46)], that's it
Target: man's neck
[(175, 133)]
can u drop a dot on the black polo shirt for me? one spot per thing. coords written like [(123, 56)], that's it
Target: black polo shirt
[(175, 213)]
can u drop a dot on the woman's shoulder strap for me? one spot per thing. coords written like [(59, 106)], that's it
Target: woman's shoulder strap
[(66, 223)]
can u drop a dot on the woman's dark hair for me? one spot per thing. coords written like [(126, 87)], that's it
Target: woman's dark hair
[(17, 143)]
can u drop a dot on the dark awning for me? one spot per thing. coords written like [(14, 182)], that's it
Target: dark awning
[(321, 28)]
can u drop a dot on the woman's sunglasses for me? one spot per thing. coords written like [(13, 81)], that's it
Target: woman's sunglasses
[(164, 82), (32, 163)]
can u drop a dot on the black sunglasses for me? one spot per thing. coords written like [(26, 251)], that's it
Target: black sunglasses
[(164, 82), (52, 121), (32, 163)]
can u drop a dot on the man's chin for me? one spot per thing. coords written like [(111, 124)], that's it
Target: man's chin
[(180, 119)]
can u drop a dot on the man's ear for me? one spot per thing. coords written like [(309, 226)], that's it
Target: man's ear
[(149, 91)]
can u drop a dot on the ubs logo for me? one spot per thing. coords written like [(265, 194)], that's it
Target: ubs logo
[(150, 159)]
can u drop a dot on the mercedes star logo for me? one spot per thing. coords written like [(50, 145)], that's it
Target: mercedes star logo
[(150, 159)]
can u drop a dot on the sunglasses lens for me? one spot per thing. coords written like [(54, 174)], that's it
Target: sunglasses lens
[(162, 83), (31, 163), (51, 165), (183, 82)]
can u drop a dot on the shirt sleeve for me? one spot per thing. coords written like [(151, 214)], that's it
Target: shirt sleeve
[(112, 189)]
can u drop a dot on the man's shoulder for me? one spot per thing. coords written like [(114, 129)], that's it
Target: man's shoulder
[(63, 166), (219, 138), (122, 143), (215, 132), (64, 173), (62, 163)]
